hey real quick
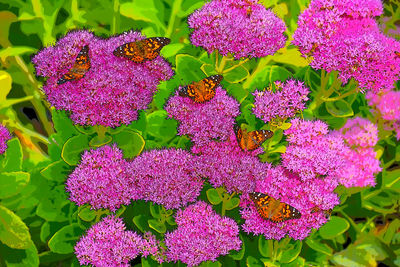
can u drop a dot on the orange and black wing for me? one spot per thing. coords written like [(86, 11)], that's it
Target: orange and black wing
[(273, 210), (251, 140), (143, 50), (203, 90), (81, 66)]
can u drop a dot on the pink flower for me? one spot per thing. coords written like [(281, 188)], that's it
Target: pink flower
[(4, 137)]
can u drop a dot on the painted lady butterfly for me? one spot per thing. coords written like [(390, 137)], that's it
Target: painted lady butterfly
[(203, 90), (143, 50), (251, 140), (81, 66), (272, 209)]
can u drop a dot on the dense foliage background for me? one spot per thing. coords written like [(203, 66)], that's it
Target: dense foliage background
[(40, 225)]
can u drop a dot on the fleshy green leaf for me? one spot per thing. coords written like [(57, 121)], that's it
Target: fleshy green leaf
[(213, 196), (291, 251), (13, 231), (157, 225), (264, 246), (13, 156), (236, 75), (56, 171), (233, 203), (15, 51), (64, 240), (73, 148), (336, 226), (315, 245), (5, 84), (130, 142), (339, 108), (19, 257), (12, 183), (96, 141), (87, 214)]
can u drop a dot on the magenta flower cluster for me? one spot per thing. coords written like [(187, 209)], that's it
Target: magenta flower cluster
[(288, 98), (4, 137), (112, 90), (343, 36), (243, 28), (361, 162), (203, 122), (101, 179), (107, 243), (201, 235)]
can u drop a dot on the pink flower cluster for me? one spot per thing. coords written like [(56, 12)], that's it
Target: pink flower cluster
[(202, 235), (288, 98), (112, 91), (361, 162), (107, 243), (343, 36), (243, 28), (4, 137)]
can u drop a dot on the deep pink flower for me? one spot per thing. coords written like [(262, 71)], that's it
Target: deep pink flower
[(4, 137), (101, 179), (203, 122), (225, 164), (360, 132), (168, 177), (241, 27), (387, 104), (201, 235), (290, 189), (288, 98), (114, 88)]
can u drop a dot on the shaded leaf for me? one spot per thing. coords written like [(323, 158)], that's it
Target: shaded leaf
[(13, 231)]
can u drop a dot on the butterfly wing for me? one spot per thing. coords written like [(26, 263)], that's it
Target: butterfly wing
[(203, 90), (81, 66), (271, 209), (140, 51), (251, 140)]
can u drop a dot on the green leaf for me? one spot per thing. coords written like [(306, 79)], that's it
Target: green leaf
[(317, 246), (391, 178), (6, 18), (54, 205), (86, 214), (188, 68), (157, 225), (72, 149), (233, 203), (63, 125), (253, 262), (12, 183), (141, 222), (15, 51), (155, 210), (13, 231), (265, 247), (171, 50), (213, 196), (336, 226), (145, 10), (5, 84), (64, 240), (210, 264), (291, 251), (56, 171), (237, 91), (96, 141), (339, 108), (265, 75), (48, 257), (13, 156), (236, 75), (130, 142), (19, 257), (160, 127), (238, 255)]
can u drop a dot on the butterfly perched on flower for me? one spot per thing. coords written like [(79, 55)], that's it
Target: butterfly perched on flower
[(202, 91), (251, 140), (81, 66), (327, 213), (143, 50), (272, 209)]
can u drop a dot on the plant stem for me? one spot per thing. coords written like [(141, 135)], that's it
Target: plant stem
[(115, 20), (175, 9), (34, 91), (220, 68), (235, 66), (331, 99), (101, 131)]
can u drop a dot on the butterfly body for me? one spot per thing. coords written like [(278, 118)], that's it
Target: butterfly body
[(327, 213), (143, 50), (202, 91), (81, 66), (272, 209), (251, 140)]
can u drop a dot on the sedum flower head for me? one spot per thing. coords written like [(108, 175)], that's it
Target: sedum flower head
[(4, 137), (243, 28), (360, 132), (101, 179), (108, 244), (167, 177), (201, 235), (225, 164), (112, 90), (387, 104), (204, 121), (287, 187), (288, 98)]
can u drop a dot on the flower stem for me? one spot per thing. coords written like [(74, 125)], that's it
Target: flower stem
[(101, 132), (331, 99), (175, 9), (221, 66), (235, 66), (115, 19)]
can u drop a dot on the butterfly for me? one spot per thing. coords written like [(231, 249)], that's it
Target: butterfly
[(81, 66), (203, 90), (327, 213), (272, 209), (251, 140), (143, 50)]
